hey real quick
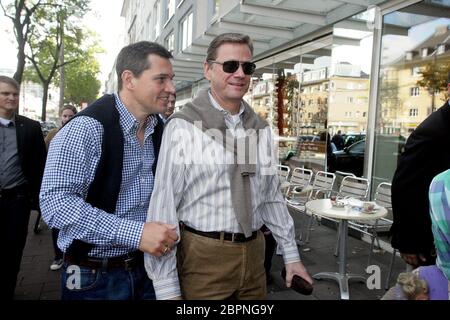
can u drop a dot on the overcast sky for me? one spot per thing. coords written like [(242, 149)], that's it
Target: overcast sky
[(104, 19)]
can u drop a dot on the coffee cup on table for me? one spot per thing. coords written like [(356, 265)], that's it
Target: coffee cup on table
[(368, 206)]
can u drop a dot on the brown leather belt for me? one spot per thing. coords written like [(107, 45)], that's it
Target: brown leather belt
[(128, 261), (234, 237)]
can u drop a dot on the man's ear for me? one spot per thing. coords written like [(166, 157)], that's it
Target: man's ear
[(128, 80), (207, 70)]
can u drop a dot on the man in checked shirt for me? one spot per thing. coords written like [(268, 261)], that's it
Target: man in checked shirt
[(99, 178), (220, 198)]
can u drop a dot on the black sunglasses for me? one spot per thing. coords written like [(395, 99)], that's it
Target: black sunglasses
[(232, 66)]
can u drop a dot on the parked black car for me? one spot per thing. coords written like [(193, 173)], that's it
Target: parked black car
[(351, 159)]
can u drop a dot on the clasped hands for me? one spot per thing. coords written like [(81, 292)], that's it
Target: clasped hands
[(158, 238)]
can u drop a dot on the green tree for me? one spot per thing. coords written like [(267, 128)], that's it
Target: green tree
[(20, 13), (81, 83), (434, 79), (55, 25)]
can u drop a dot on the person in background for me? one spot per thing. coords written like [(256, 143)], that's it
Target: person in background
[(170, 105), (22, 161), (338, 140), (66, 113), (409, 287), (437, 276), (170, 108), (99, 178), (426, 154)]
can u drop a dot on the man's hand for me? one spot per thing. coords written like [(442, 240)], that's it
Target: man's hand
[(299, 269), (413, 259), (158, 238)]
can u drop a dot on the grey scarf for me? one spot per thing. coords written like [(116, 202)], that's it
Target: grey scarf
[(200, 109)]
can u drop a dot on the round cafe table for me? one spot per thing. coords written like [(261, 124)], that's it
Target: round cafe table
[(323, 207)]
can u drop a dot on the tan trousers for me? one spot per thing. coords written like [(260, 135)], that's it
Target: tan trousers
[(216, 269)]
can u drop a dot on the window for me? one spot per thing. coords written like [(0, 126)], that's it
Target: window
[(441, 49), (157, 10), (414, 91), (215, 7), (413, 112), (415, 71), (186, 31), (424, 52), (170, 42), (170, 9)]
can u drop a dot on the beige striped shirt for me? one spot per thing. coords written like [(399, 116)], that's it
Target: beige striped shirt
[(192, 184)]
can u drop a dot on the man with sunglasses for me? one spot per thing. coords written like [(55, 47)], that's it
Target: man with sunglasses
[(219, 198)]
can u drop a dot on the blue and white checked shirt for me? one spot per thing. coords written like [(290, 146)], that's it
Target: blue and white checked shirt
[(71, 164)]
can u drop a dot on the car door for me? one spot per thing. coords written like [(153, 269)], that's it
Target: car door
[(351, 159)]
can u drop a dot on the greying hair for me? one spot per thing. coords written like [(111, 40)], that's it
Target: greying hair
[(10, 81), (134, 58), (221, 39), (412, 285)]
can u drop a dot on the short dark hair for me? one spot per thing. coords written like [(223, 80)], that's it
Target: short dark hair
[(10, 81), (211, 53), (134, 58), (68, 107)]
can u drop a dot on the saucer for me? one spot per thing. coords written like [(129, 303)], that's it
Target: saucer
[(369, 211), (337, 205)]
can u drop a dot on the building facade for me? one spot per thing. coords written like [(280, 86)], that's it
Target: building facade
[(359, 66)]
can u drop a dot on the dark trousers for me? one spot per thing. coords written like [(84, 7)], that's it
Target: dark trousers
[(271, 244), (15, 215), (58, 252)]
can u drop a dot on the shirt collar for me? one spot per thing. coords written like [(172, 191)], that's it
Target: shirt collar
[(129, 122), (8, 122), (218, 106)]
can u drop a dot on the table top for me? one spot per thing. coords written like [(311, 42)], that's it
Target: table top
[(324, 208)]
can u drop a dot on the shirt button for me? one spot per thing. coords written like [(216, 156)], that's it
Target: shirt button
[(142, 204), (143, 180)]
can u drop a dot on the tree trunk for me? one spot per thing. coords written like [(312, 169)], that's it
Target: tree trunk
[(44, 100), (62, 77), (20, 63)]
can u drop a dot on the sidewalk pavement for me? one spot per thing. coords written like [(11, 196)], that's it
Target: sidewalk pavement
[(37, 282)]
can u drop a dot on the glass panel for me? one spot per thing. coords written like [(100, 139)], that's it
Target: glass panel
[(349, 89), (415, 62), (289, 91)]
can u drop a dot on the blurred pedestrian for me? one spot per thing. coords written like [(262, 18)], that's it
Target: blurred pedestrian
[(338, 140), (170, 107), (99, 179), (22, 160), (409, 287), (66, 113)]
